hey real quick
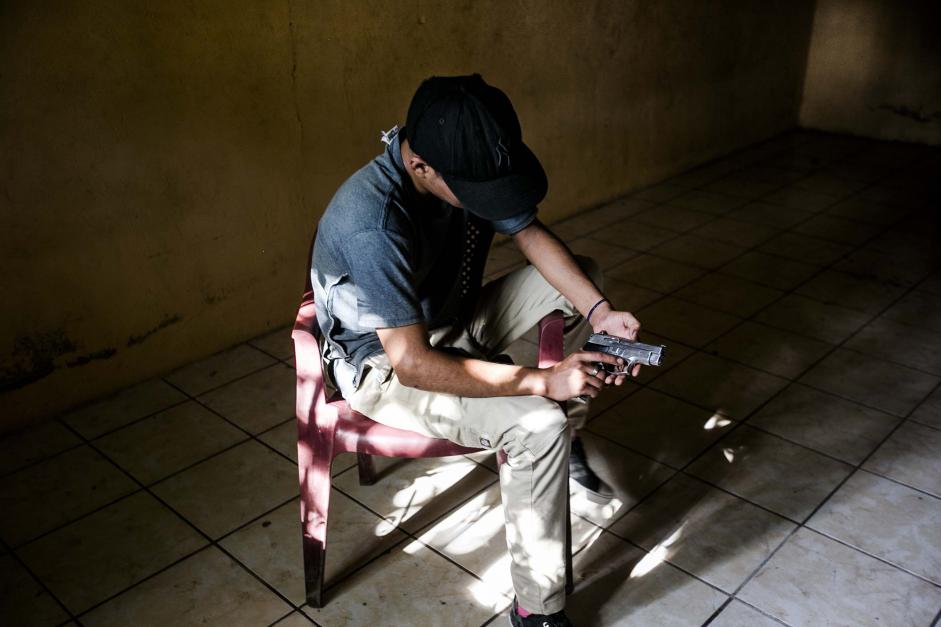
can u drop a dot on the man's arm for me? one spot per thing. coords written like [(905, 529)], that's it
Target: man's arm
[(555, 262), (419, 365)]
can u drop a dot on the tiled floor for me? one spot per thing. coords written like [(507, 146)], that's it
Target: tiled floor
[(782, 467)]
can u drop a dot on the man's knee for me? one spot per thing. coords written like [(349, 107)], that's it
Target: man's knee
[(541, 428), (590, 267)]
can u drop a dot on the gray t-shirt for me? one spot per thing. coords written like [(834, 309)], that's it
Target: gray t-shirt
[(387, 256)]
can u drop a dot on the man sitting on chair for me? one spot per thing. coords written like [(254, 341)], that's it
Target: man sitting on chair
[(411, 335)]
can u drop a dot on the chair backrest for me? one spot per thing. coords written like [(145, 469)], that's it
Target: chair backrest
[(308, 361)]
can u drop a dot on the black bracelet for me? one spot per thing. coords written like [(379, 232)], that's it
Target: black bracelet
[(593, 307)]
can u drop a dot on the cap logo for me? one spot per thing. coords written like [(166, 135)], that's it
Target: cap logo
[(503, 155)]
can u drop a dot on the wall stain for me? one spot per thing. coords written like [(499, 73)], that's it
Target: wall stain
[(33, 358), (912, 114), (166, 322), (104, 353)]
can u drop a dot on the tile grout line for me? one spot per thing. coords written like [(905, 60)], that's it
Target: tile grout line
[(16, 558)]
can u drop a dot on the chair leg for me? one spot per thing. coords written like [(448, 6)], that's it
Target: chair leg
[(569, 571), (315, 506), (367, 469)]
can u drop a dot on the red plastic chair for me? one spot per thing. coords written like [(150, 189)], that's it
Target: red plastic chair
[(326, 428)]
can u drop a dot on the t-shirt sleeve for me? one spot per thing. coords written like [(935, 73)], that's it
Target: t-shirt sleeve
[(514, 224), (381, 267)]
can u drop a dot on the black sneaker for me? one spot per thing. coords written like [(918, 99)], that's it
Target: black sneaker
[(559, 619), (584, 478)]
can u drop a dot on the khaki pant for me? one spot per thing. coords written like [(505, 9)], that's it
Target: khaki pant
[(533, 431)]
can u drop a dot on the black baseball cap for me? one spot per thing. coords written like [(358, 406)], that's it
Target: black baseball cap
[(468, 131)]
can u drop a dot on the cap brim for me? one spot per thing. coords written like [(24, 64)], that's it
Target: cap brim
[(507, 196)]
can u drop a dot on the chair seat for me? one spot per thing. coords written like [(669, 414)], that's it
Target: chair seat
[(356, 433)]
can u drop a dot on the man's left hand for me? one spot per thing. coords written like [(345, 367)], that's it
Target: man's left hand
[(621, 324)]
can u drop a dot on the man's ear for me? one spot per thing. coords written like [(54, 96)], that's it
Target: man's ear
[(419, 167)]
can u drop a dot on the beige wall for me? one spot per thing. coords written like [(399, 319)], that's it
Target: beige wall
[(874, 69), (162, 166)]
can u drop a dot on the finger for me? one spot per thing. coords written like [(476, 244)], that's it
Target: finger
[(609, 380), (594, 382), (636, 370), (619, 380)]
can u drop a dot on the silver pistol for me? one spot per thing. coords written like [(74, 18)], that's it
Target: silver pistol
[(631, 352)]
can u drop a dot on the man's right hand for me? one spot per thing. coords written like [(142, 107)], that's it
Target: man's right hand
[(578, 375)]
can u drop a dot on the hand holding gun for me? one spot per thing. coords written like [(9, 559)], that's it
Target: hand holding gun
[(630, 351)]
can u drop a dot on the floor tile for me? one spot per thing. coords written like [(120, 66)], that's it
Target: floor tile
[(699, 252), (770, 215), (258, 401), (901, 343), (503, 256), (767, 348), (685, 322), (873, 382), (631, 476), (611, 395), (474, 536), (126, 406), (614, 212), (887, 520), (231, 488), (297, 619), (769, 174), (804, 248), (786, 478), (847, 290), (283, 439), (720, 385), (919, 309), (421, 583), (830, 185), (708, 202), (219, 369), (34, 443), (628, 297), (932, 284), (674, 354), (205, 589), (156, 447), (825, 423), (741, 187), (673, 218), (799, 198), (414, 492), (633, 235), (770, 270), (910, 456), (813, 580), (618, 584), (23, 600), (729, 294), (661, 192), (898, 269), (738, 232), (713, 535), (607, 255), (661, 427), (51, 493), (277, 343), (837, 229), (738, 614), (112, 549), (271, 546), (929, 412), (921, 242), (656, 273), (807, 316), (861, 210)]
